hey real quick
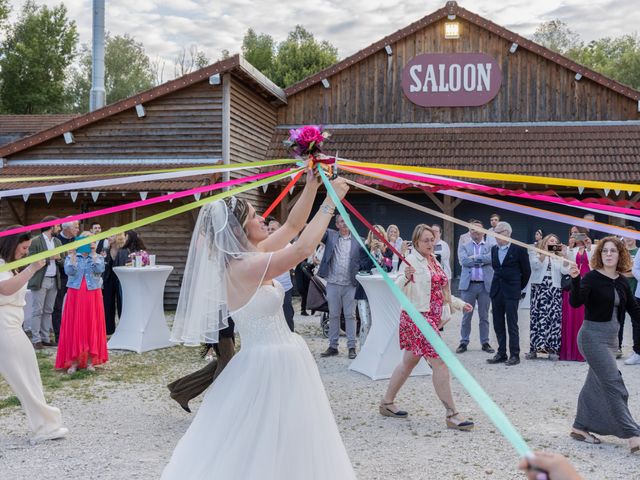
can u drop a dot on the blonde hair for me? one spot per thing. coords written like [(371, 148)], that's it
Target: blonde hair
[(390, 227), (419, 230), (371, 237), (624, 258), (119, 240)]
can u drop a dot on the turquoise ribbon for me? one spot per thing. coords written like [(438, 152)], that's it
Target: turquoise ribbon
[(493, 411)]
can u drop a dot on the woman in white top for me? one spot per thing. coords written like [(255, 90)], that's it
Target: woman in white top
[(442, 248), (18, 363), (394, 238), (546, 299), (427, 287)]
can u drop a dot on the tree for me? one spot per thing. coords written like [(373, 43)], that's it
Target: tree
[(4, 11), (259, 50), (557, 36), (189, 61), (294, 59), (618, 58), (128, 71), (34, 58)]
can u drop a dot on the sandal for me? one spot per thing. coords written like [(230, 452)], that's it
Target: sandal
[(589, 438), (465, 425), (385, 411)]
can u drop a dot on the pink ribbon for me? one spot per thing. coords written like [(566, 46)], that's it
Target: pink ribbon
[(503, 191), (141, 203)]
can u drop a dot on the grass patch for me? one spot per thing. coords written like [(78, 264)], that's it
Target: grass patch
[(11, 401)]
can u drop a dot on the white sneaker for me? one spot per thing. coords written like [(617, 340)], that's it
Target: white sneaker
[(56, 434), (634, 359)]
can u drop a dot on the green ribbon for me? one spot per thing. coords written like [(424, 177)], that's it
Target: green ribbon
[(139, 223), (493, 411)]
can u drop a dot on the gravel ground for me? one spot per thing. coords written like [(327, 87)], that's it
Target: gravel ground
[(123, 424)]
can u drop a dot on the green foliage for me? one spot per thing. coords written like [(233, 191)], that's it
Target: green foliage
[(4, 11), (617, 58), (557, 36), (128, 71), (294, 59), (259, 50), (34, 58)]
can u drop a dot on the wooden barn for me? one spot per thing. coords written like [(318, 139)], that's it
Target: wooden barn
[(452, 90)]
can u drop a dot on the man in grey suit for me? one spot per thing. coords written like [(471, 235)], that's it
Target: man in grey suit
[(475, 285), (339, 266)]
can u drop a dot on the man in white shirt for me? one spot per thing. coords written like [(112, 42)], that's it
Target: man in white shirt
[(494, 219), (44, 287)]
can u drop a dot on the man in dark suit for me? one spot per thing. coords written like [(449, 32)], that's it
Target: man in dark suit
[(511, 274), (339, 266)]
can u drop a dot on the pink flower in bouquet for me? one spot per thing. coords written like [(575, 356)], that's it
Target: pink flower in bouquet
[(306, 140), (386, 261), (143, 254)]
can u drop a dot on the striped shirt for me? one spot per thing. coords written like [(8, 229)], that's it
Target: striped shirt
[(339, 263)]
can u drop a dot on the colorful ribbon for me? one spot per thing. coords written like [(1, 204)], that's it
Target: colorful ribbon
[(505, 177), (493, 411), (95, 184), (138, 204), (284, 192), (137, 224), (536, 212), (139, 172), (612, 210)]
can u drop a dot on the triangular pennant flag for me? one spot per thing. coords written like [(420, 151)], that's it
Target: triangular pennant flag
[(630, 192), (73, 195), (196, 196), (25, 196), (143, 195), (95, 196), (606, 192), (171, 199), (48, 196), (264, 188), (617, 192), (293, 187), (580, 189)]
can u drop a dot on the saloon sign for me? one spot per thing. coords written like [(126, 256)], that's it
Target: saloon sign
[(451, 80)]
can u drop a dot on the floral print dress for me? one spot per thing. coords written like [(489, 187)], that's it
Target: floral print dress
[(411, 338)]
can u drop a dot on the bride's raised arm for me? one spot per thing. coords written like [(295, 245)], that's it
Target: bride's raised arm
[(296, 220)]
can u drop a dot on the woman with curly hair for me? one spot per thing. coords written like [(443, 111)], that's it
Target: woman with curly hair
[(606, 296)]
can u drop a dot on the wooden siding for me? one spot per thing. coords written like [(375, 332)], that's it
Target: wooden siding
[(168, 239), (185, 124), (252, 123), (533, 89)]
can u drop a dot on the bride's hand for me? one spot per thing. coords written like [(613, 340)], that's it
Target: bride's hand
[(313, 177), (340, 186)]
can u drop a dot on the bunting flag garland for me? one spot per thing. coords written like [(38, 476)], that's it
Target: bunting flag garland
[(493, 411)]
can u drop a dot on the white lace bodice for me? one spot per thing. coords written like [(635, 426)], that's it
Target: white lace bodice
[(261, 322)]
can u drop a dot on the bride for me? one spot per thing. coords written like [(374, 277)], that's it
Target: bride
[(267, 415)]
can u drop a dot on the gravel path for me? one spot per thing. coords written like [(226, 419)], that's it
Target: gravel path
[(128, 429)]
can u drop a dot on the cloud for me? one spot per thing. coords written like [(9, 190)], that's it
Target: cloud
[(167, 26)]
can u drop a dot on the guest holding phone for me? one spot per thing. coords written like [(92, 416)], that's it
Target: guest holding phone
[(546, 299), (83, 337)]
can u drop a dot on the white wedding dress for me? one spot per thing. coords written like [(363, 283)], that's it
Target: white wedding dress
[(267, 415)]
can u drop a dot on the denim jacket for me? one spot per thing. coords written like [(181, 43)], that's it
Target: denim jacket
[(84, 267)]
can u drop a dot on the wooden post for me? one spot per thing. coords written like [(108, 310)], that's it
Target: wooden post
[(226, 124)]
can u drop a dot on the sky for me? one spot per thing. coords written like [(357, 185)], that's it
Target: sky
[(167, 26)]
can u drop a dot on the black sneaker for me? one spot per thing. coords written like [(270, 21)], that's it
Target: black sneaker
[(512, 361), (352, 353), (497, 359), (329, 352), (461, 348)]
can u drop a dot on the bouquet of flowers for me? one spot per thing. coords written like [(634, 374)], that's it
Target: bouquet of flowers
[(142, 254), (306, 140)]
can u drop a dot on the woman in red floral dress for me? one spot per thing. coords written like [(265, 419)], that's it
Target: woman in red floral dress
[(426, 285)]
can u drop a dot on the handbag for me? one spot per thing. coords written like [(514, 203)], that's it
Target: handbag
[(566, 281)]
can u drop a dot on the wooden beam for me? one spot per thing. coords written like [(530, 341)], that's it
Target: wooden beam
[(436, 200), (450, 205), (22, 220), (226, 124)]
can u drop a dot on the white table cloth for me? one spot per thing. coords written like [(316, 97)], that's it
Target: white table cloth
[(381, 352), (142, 326)]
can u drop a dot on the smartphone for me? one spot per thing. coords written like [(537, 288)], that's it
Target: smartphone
[(580, 237), (554, 248)]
